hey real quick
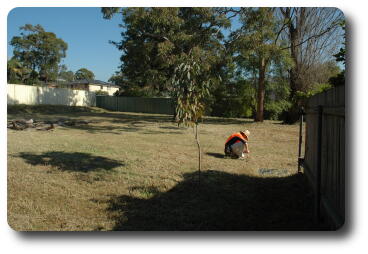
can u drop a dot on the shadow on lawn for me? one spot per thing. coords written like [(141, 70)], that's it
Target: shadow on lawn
[(124, 118), (139, 123), (224, 121), (223, 201), (217, 155), (79, 162), (118, 130), (110, 129)]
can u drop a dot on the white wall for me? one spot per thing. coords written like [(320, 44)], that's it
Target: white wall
[(32, 95), (110, 90)]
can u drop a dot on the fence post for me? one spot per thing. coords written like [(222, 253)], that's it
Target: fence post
[(319, 164), (300, 159)]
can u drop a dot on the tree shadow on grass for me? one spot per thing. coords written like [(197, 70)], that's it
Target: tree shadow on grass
[(130, 118), (225, 121), (79, 162), (217, 155), (119, 130), (110, 116), (142, 118), (223, 201), (108, 129)]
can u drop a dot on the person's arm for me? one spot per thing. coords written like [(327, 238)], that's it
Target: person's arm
[(246, 148)]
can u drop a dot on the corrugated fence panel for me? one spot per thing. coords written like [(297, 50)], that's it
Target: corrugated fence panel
[(137, 104), (24, 94)]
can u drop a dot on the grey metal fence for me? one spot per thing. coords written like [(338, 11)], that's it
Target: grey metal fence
[(136, 104)]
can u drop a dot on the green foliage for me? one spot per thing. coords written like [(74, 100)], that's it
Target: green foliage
[(338, 80), (84, 73), (319, 88), (190, 88), (117, 79), (39, 51), (16, 72), (257, 38), (341, 55), (135, 91), (65, 74), (129, 89), (274, 109), (258, 49), (155, 39), (253, 64), (276, 102), (234, 99), (108, 12), (68, 76)]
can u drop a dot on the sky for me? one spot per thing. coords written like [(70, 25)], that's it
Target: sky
[(83, 29)]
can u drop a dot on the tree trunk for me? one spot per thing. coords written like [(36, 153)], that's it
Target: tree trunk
[(295, 39), (261, 91), (295, 72), (199, 152)]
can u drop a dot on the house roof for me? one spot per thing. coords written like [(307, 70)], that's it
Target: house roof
[(92, 82)]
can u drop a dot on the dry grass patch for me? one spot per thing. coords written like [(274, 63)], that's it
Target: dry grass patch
[(127, 171)]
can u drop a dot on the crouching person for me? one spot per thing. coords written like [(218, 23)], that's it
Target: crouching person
[(237, 144)]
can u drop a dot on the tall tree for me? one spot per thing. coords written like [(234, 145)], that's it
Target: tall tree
[(84, 73), (39, 50), (313, 34), (257, 46), (155, 39)]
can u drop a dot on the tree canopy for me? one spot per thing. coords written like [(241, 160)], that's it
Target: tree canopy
[(313, 35), (65, 74), (155, 40), (257, 46), (39, 51), (16, 72), (258, 69), (84, 73)]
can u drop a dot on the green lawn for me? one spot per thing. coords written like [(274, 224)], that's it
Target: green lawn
[(128, 171)]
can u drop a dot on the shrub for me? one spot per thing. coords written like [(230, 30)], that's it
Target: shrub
[(274, 109)]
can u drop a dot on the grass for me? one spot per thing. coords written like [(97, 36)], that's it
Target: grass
[(130, 171)]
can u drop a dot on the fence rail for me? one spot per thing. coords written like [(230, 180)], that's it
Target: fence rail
[(324, 160), (136, 104)]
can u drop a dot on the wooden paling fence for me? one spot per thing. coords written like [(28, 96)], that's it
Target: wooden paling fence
[(136, 104), (324, 159)]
